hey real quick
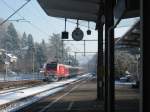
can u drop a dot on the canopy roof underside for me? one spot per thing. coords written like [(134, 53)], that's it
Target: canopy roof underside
[(73, 9)]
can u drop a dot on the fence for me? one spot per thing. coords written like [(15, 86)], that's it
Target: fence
[(20, 76)]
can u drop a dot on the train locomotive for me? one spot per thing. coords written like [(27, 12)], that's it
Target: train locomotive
[(55, 71)]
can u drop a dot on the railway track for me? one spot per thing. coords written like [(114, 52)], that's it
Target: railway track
[(8, 102), (11, 85), (44, 109), (77, 97), (18, 88)]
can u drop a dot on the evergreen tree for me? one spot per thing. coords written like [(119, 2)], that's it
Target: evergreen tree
[(24, 40), (6, 43), (12, 38), (40, 57), (30, 42), (44, 51), (2, 59), (57, 48), (29, 56)]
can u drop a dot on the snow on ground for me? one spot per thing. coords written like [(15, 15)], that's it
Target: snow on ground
[(20, 104), (11, 90), (12, 96)]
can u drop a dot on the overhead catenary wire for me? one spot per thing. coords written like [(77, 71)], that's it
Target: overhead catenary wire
[(37, 13), (15, 12), (66, 20), (77, 50), (74, 45), (39, 29), (35, 26), (29, 22)]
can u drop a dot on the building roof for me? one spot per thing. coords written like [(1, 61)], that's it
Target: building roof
[(131, 40), (132, 37)]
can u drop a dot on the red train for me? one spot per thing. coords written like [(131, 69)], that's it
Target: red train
[(54, 71)]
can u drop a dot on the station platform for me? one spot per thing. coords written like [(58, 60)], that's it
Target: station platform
[(80, 97), (126, 99)]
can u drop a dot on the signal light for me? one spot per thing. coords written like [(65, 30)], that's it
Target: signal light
[(64, 35), (88, 32)]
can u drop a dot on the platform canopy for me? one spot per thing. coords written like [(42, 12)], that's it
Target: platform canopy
[(131, 40), (73, 9), (89, 10)]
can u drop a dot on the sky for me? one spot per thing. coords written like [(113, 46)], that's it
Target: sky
[(42, 26)]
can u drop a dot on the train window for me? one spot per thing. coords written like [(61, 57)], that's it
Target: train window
[(51, 66)]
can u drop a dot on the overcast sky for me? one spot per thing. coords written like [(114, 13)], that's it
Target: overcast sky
[(41, 26)]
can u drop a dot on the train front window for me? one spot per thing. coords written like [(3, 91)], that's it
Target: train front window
[(51, 66)]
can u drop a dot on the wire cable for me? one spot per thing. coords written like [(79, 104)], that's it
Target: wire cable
[(15, 12), (29, 22)]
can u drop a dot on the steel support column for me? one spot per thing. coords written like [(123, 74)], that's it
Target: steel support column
[(109, 56), (84, 47), (75, 55), (62, 51), (141, 57), (100, 95)]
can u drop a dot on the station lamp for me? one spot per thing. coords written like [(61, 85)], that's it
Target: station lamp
[(88, 31)]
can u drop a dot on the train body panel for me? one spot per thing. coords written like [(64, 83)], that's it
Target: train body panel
[(56, 71), (62, 71)]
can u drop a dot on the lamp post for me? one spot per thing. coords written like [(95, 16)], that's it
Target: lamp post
[(33, 59), (6, 64)]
